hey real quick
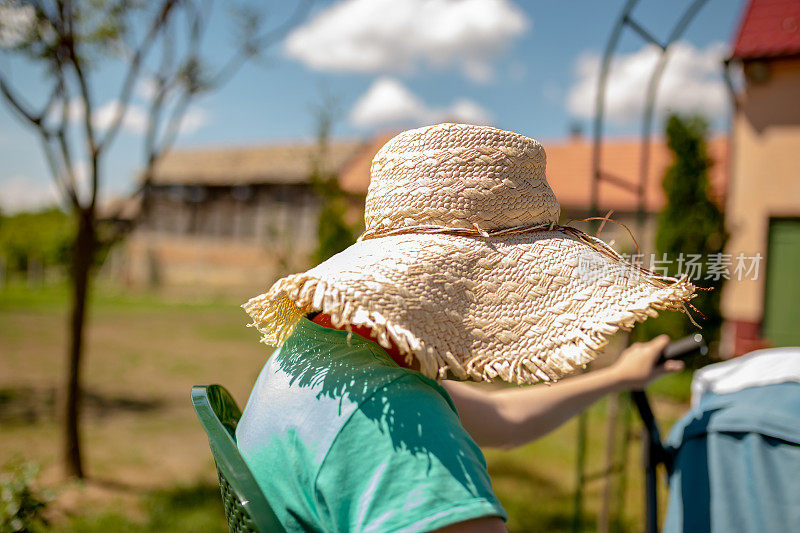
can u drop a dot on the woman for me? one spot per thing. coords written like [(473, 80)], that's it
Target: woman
[(462, 273)]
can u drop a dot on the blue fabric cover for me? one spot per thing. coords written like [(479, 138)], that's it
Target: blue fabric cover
[(340, 438), (737, 463)]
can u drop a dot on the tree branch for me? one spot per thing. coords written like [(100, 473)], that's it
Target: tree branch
[(37, 120), (172, 127), (38, 6), (60, 168), (150, 152), (51, 101), (67, 190), (76, 62), (17, 104), (253, 47), (158, 23), (66, 154), (179, 85)]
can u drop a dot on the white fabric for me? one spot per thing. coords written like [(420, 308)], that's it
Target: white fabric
[(761, 367)]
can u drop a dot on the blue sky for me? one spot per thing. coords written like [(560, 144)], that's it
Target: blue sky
[(522, 66)]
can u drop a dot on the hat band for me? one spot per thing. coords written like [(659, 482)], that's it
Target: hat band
[(475, 231)]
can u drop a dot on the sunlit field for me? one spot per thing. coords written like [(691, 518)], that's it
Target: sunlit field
[(147, 458)]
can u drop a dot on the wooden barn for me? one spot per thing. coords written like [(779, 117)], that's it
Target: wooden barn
[(231, 218)]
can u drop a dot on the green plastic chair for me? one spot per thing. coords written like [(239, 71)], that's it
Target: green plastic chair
[(246, 508)]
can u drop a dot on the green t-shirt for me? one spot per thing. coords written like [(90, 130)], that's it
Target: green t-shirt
[(341, 438)]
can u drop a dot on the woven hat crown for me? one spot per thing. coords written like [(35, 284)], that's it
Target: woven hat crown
[(459, 175)]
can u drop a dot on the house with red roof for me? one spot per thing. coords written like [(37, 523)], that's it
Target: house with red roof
[(763, 200)]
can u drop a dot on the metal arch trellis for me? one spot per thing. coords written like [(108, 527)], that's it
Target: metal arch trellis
[(625, 19)]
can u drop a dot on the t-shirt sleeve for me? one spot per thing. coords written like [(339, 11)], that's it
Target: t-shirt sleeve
[(403, 462)]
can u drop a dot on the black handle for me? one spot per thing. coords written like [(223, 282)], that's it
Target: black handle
[(654, 452), (684, 348)]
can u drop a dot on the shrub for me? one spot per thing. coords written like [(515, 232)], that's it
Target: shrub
[(690, 223), (21, 506)]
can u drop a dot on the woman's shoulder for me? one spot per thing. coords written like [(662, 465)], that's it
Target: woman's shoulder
[(334, 362)]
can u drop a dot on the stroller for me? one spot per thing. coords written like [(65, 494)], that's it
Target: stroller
[(734, 459)]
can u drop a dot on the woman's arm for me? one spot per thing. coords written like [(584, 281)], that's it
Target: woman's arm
[(513, 417)]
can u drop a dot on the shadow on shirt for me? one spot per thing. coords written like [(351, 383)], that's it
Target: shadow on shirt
[(415, 411)]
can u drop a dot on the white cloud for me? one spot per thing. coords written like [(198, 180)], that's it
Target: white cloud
[(692, 82), (19, 193), (75, 112), (393, 35), (134, 120), (388, 102), (194, 119), (146, 87), (467, 111)]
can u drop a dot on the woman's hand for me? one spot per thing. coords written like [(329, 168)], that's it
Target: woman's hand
[(636, 366)]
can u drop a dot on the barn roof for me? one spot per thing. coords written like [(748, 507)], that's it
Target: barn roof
[(569, 167), (278, 163)]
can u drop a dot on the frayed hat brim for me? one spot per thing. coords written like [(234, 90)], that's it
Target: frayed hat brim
[(522, 308)]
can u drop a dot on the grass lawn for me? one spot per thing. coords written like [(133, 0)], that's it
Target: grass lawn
[(147, 458)]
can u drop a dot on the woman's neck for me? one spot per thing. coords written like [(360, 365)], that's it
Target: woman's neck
[(324, 320)]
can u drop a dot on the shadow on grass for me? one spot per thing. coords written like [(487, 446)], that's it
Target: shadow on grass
[(28, 405), (189, 509)]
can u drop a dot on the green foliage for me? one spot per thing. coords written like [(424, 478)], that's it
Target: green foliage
[(676, 387), (98, 25), (21, 506), (180, 510), (45, 237), (334, 234), (690, 223)]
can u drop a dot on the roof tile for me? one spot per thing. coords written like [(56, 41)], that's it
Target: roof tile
[(769, 28), (569, 171)]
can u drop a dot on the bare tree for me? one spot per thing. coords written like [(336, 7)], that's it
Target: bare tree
[(157, 42)]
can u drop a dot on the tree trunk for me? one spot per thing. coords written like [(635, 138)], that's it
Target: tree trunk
[(83, 255)]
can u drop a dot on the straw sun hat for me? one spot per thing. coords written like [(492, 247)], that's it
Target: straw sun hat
[(463, 266)]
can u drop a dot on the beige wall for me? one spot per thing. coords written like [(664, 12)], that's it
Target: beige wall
[(220, 244), (209, 265), (765, 176)]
